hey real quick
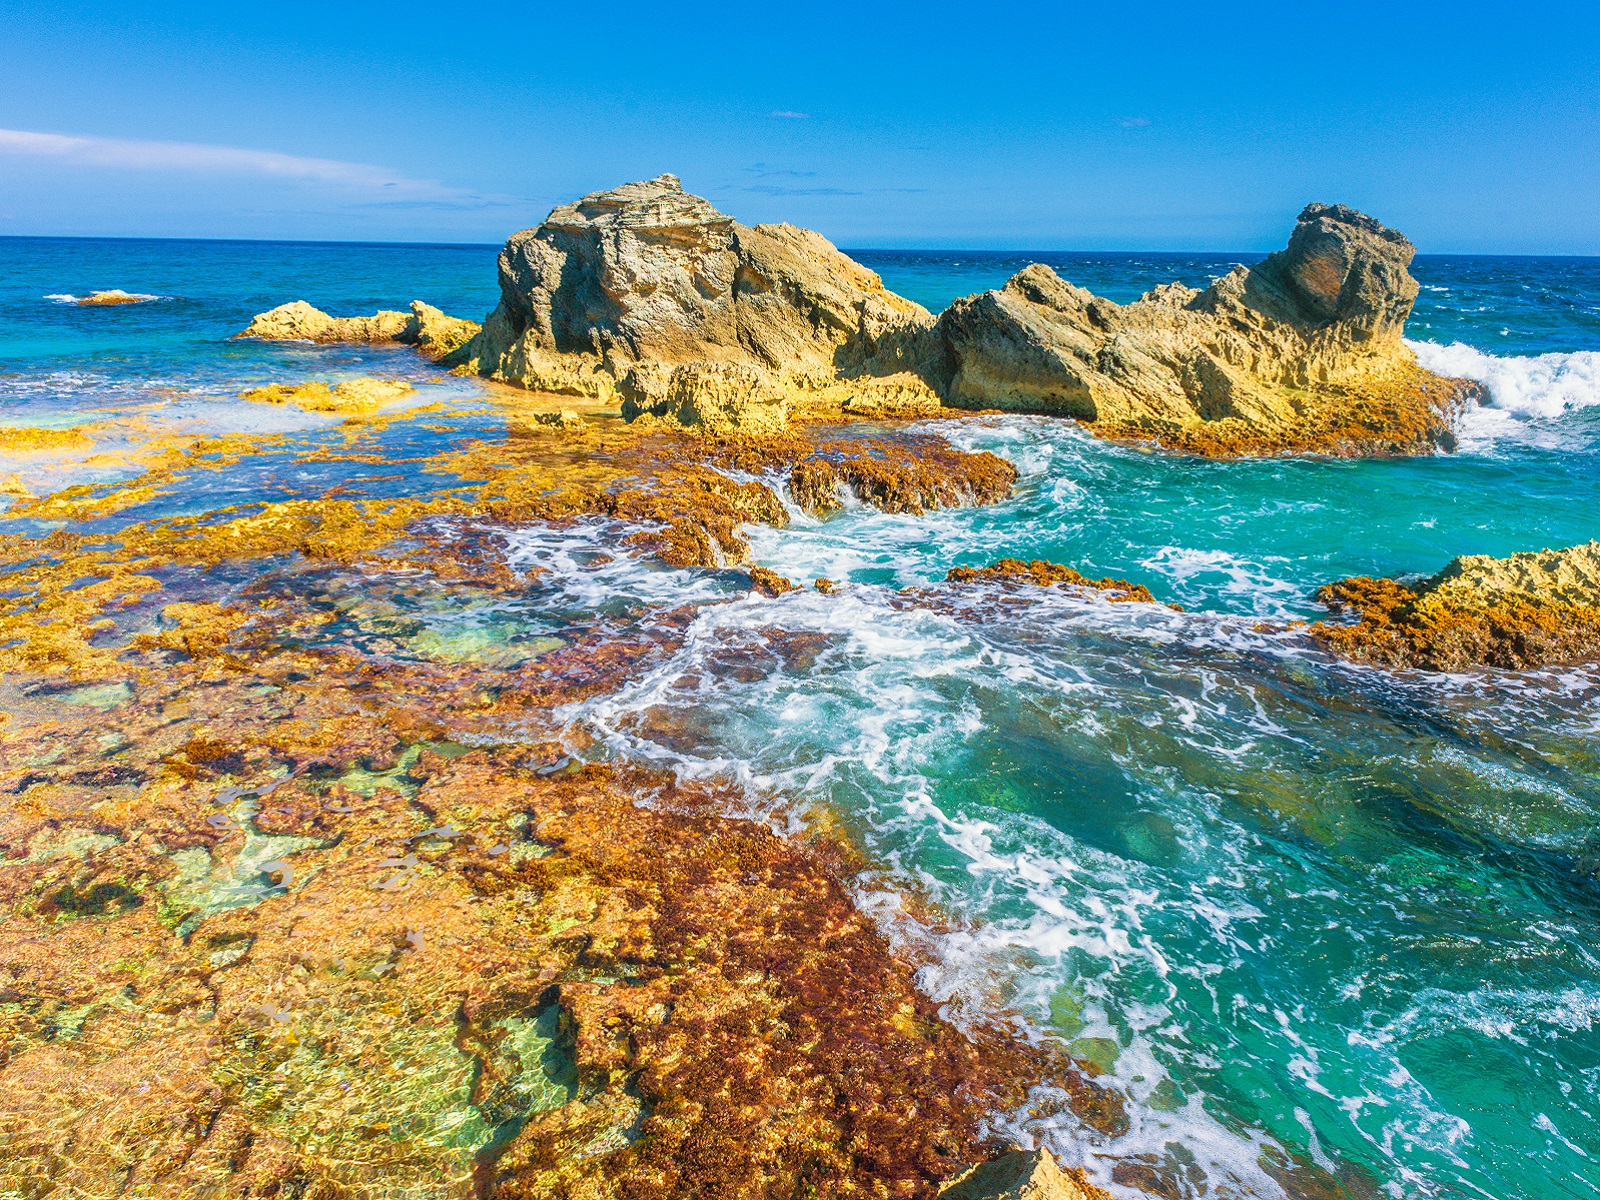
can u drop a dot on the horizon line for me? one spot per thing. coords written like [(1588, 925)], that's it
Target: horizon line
[(90, 237)]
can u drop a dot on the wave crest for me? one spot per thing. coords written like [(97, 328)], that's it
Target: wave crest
[(1542, 385)]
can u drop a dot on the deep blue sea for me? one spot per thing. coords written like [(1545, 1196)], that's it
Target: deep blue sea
[(1283, 901)]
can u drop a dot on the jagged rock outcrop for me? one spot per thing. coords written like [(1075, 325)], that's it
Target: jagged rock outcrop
[(434, 333), (1521, 611), (649, 294), (1302, 350), (1021, 1175)]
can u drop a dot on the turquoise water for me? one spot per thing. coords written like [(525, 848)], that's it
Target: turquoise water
[(1288, 904)]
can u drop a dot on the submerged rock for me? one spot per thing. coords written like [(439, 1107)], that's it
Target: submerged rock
[(650, 294), (1302, 351), (434, 333), (1021, 1175), (38, 440), (351, 396), (1521, 611), (113, 296)]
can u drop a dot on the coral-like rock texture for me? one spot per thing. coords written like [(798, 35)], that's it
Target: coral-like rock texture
[(1300, 352), (649, 294), (1522, 611), (435, 334)]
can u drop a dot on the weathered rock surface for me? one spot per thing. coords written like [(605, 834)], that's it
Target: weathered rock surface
[(1021, 1175), (714, 397), (1302, 349), (1522, 611), (431, 331), (649, 294)]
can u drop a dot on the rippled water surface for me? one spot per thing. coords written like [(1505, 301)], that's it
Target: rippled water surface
[(1294, 909)]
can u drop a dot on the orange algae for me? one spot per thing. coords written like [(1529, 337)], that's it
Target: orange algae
[(1048, 574), (770, 583), (352, 396), (397, 964)]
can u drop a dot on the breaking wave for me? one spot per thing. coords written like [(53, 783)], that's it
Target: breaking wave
[(1543, 385)]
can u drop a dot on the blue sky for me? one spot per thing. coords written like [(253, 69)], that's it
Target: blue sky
[(1470, 127)]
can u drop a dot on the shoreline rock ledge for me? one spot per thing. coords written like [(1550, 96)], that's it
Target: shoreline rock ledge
[(1525, 610)]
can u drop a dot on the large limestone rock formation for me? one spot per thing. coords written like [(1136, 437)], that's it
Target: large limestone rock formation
[(431, 331), (649, 294), (1303, 347)]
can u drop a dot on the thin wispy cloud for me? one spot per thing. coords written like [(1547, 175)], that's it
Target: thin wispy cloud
[(1134, 122), (372, 183), (772, 189), (784, 114), (762, 171)]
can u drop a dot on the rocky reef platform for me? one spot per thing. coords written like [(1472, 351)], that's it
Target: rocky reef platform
[(295, 898)]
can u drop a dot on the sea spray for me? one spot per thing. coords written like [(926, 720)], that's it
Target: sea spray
[(1543, 385)]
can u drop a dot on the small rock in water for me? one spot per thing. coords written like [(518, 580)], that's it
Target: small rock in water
[(281, 869), (1020, 1175)]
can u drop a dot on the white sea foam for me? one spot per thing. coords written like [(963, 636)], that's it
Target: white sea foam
[(1543, 385)]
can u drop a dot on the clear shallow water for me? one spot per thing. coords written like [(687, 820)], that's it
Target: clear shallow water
[(1283, 901)]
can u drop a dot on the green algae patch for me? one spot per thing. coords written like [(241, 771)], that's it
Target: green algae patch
[(102, 696)]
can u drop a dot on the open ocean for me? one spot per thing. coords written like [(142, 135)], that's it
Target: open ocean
[(1280, 899)]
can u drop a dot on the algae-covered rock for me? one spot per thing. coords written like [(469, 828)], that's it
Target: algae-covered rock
[(112, 297), (1040, 573), (33, 440), (1521, 611)]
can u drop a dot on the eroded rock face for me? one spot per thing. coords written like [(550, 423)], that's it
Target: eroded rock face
[(431, 331), (1521, 611), (1269, 347), (653, 286)]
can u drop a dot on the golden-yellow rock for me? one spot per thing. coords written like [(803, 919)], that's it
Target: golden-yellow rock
[(431, 331), (351, 396), (1021, 1175)]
